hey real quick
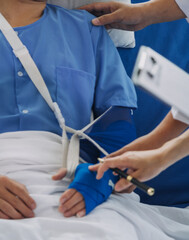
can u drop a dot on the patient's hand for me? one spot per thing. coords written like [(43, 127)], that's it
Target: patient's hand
[(71, 202), (15, 202)]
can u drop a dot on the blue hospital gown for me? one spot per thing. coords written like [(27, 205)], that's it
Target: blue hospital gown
[(80, 65)]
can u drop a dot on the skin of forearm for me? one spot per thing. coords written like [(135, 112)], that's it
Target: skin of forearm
[(174, 150), (157, 11), (168, 129)]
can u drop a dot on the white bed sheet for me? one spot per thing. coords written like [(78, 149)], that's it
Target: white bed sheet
[(121, 217)]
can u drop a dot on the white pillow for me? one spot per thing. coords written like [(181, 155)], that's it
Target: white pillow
[(121, 38)]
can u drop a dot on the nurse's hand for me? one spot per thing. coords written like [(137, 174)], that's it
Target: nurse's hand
[(134, 17), (142, 165), (15, 202), (118, 15), (71, 202)]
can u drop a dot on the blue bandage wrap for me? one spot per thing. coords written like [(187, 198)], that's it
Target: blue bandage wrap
[(112, 131), (94, 191)]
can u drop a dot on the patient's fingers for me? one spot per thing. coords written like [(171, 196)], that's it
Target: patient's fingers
[(17, 204), (60, 174), (78, 208), (72, 201), (15, 201), (67, 195), (81, 213), (9, 211), (21, 192), (3, 216)]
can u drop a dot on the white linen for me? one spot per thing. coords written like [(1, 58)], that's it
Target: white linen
[(32, 157), (184, 6), (121, 38), (177, 115)]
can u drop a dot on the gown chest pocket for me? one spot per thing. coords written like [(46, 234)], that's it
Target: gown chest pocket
[(75, 93)]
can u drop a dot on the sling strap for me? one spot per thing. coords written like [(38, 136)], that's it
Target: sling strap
[(70, 148)]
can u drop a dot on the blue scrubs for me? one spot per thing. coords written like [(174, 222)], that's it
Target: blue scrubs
[(80, 65)]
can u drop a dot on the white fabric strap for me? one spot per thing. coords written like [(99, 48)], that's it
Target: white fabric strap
[(23, 55), (70, 151)]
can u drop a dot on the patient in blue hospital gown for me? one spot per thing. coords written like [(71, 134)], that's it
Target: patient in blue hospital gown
[(84, 74)]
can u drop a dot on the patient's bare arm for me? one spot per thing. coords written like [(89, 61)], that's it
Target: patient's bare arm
[(15, 202)]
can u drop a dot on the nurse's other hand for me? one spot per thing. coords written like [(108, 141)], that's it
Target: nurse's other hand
[(118, 15), (142, 165), (15, 202), (72, 203)]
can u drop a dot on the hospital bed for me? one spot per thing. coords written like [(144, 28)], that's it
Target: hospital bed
[(171, 41)]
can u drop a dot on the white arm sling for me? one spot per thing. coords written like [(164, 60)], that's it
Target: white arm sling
[(70, 148)]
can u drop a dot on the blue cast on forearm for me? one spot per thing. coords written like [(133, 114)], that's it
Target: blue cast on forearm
[(94, 191), (114, 130)]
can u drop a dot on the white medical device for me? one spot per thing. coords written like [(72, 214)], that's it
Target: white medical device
[(163, 79)]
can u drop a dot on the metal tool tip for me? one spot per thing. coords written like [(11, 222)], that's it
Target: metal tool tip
[(151, 191)]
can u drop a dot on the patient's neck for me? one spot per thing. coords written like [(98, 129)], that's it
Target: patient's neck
[(21, 12)]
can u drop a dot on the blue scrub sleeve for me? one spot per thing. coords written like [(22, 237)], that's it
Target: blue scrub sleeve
[(94, 191)]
